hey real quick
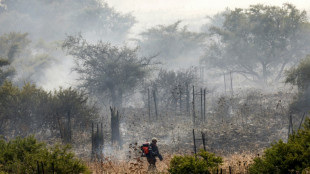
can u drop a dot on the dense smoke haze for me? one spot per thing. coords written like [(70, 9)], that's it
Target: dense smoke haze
[(49, 22), (108, 75)]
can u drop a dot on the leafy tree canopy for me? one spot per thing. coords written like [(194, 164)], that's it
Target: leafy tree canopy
[(204, 162), (30, 109), (259, 42), (23, 155), (170, 42), (300, 76), (107, 70), (286, 157), (24, 62)]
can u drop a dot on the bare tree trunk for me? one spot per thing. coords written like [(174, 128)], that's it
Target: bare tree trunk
[(117, 99), (115, 126), (264, 66)]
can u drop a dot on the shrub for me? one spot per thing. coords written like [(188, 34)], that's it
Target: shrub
[(285, 157), (204, 162), (24, 155)]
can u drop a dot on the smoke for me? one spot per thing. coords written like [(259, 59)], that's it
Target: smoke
[(48, 22)]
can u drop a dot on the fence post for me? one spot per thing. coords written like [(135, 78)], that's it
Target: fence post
[(187, 100), (92, 141), (225, 83), (204, 105), (194, 105), (201, 106), (231, 85), (149, 103), (180, 91), (194, 142), (203, 141), (155, 102)]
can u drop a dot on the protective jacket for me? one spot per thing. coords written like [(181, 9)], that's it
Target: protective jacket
[(154, 152)]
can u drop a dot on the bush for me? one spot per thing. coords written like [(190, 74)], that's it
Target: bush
[(24, 155), (285, 157), (204, 162)]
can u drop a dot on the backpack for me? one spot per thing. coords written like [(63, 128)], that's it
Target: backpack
[(146, 148)]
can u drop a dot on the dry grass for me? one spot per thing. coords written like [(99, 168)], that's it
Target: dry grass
[(137, 165), (239, 164)]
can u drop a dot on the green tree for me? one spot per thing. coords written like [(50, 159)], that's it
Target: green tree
[(22, 155), (285, 157), (5, 72), (300, 77), (106, 70), (170, 42), (259, 42), (204, 162), (11, 45), (70, 111), (30, 109), (19, 63)]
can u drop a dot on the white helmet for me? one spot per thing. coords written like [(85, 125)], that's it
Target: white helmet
[(154, 139)]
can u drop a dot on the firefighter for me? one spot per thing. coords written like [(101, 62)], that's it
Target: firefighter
[(153, 153)]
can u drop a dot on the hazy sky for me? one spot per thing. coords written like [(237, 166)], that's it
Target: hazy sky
[(193, 12)]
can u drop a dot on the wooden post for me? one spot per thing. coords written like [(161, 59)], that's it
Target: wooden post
[(97, 139), (289, 127), (68, 136), (92, 141), (187, 99), (203, 141), (194, 139), (291, 122), (230, 170), (194, 105), (201, 106), (204, 105), (155, 102), (102, 141), (302, 119), (225, 82), (180, 91), (149, 103), (231, 85)]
